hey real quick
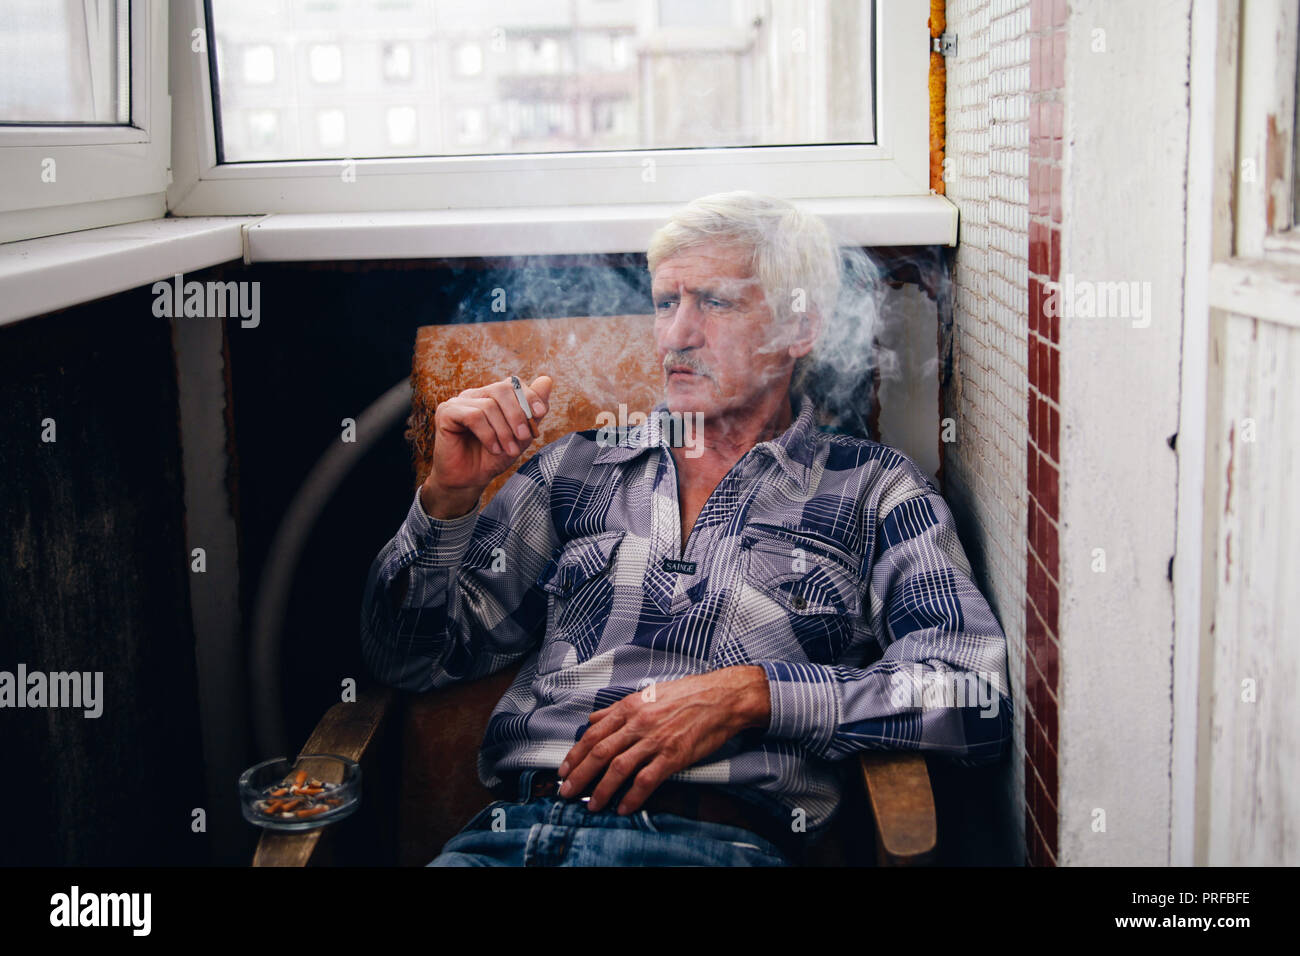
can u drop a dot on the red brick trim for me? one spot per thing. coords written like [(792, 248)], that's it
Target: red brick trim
[(1042, 602)]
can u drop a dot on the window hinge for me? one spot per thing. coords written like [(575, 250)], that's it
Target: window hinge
[(945, 44)]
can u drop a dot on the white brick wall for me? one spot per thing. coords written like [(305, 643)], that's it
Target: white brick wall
[(988, 179)]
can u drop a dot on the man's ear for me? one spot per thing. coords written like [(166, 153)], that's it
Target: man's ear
[(806, 326)]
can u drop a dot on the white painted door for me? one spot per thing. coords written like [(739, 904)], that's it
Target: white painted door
[(1236, 773)]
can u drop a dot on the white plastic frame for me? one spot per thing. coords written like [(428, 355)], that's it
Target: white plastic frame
[(103, 174), (897, 165)]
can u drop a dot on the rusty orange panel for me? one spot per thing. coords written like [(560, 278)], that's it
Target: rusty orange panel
[(938, 85)]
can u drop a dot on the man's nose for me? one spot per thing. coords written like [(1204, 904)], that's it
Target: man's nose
[(684, 329)]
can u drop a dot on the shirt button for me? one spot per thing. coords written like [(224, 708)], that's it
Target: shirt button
[(799, 603)]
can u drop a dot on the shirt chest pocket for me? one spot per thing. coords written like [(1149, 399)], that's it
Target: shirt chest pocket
[(579, 580), (813, 584)]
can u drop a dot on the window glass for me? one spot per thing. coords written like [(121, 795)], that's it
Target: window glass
[(519, 76), (65, 62)]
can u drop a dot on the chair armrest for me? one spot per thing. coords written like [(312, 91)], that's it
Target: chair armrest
[(902, 807), (349, 730)]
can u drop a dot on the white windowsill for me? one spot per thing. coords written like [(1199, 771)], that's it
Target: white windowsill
[(43, 275)]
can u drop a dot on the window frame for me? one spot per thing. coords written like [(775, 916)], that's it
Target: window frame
[(897, 165), (1266, 172), (104, 174)]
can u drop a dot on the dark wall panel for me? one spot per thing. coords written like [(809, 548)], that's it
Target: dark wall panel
[(93, 577)]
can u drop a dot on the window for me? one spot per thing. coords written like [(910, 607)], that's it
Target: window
[(469, 59), (65, 63), (397, 62), (326, 63), (1267, 225), (469, 125), (719, 74), (331, 128), (263, 130), (537, 54), (84, 124), (401, 125), (259, 65), (629, 102)]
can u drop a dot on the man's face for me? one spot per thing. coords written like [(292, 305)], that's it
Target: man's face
[(716, 333)]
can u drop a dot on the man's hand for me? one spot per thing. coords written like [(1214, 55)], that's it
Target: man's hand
[(478, 435), (661, 729)]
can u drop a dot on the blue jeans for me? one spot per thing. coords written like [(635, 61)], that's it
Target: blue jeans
[(550, 831)]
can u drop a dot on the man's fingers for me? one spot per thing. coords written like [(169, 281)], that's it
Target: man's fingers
[(588, 757), (593, 735), (504, 395), (541, 392), (469, 417), (621, 768), (647, 781), (537, 395), (537, 406), (504, 431)]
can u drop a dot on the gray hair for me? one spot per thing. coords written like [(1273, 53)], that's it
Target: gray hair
[(791, 252)]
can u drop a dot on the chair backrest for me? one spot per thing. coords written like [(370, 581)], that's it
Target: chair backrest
[(597, 364)]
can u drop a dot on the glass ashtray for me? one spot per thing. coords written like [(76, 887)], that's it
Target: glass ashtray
[(298, 795)]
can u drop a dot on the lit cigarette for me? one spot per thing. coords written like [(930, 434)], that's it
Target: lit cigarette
[(523, 402)]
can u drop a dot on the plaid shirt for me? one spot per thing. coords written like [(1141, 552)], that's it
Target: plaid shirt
[(831, 562)]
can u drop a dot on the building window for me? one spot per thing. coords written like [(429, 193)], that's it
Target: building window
[(331, 128), (259, 65), (469, 59), (398, 65), (326, 63), (400, 123), (263, 130), (469, 125)]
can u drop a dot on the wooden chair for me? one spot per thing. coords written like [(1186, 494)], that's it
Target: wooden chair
[(419, 752)]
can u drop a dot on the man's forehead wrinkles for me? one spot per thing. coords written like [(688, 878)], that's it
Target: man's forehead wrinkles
[(719, 284)]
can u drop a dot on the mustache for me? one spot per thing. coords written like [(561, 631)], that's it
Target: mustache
[(686, 360)]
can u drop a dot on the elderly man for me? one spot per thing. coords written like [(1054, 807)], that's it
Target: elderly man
[(705, 632)]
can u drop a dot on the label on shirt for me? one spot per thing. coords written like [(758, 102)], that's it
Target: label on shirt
[(679, 567)]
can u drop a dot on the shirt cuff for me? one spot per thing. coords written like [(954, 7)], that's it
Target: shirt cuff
[(427, 543), (438, 542), (804, 700)]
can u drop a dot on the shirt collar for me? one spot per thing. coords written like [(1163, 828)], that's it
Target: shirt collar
[(792, 450)]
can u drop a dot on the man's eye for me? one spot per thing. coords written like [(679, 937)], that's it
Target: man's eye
[(717, 303), (664, 304)]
